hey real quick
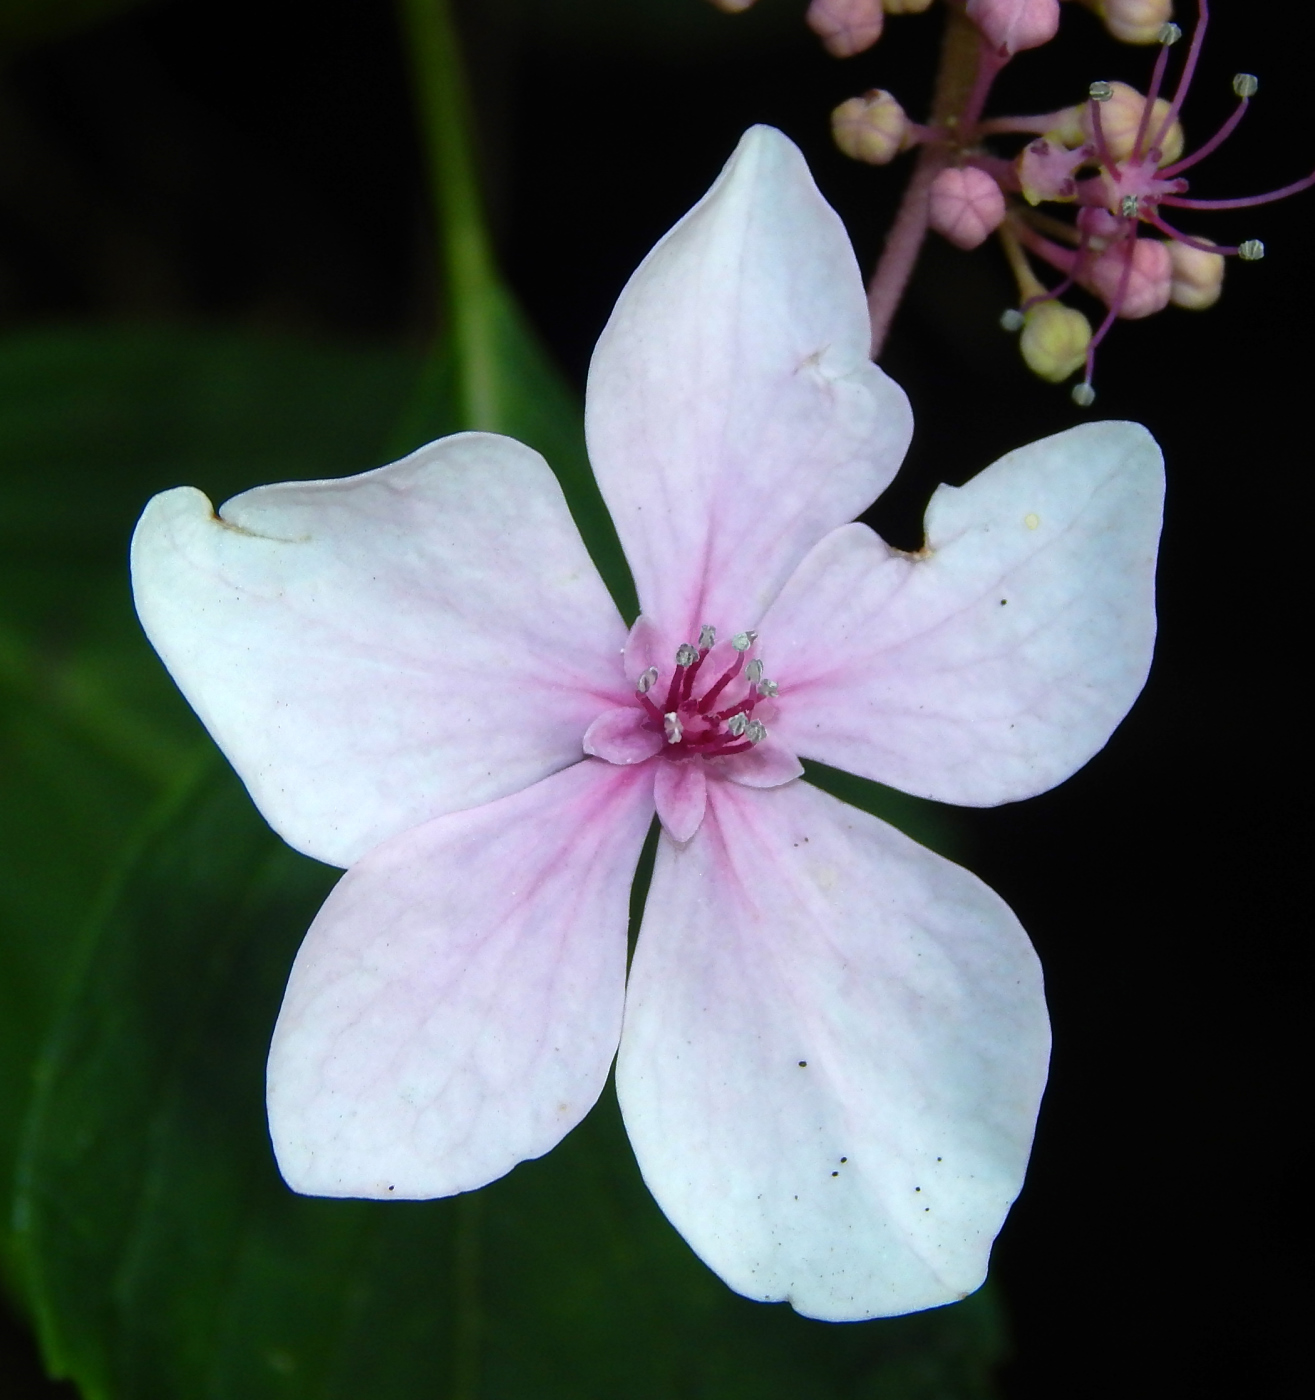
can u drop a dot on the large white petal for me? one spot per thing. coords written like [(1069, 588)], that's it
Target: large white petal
[(733, 415), (456, 1004), (996, 662), (374, 651), (834, 1048)]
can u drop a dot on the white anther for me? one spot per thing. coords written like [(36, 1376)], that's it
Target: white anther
[(755, 731), (1169, 34), (1012, 320), (768, 688), (686, 655), (1251, 251), (742, 641), (1083, 395), (753, 672), (672, 728), (707, 637), (647, 681), (737, 724), (1100, 91), (1129, 206), (1245, 84)]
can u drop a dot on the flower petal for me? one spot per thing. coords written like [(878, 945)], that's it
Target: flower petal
[(680, 793), (619, 736), (733, 415), (456, 1004), (996, 662), (767, 764), (834, 1048), (374, 651)]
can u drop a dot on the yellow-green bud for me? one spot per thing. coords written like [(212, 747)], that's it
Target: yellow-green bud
[(1120, 120), (872, 128), (1054, 340), (1198, 276), (1133, 21)]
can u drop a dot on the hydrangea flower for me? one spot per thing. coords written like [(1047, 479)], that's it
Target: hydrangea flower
[(832, 1042)]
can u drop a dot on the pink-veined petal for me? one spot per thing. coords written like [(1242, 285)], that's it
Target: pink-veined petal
[(680, 793), (374, 651), (834, 1048), (767, 764), (619, 736), (996, 662), (733, 415), (456, 1004)]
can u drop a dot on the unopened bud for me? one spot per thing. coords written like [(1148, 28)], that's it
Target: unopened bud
[(1134, 21), (1120, 121), (905, 7), (1245, 84), (1054, 340), (873, 128), (1251, 251), (1198, 276), (1013, 25), (1146, 290), (965, 205), (846, 27)]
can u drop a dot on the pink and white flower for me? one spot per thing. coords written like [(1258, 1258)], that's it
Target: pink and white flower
[(832, 1042)]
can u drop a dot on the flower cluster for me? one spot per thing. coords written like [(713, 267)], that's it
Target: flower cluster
[(1117, 158), (831, 1043)]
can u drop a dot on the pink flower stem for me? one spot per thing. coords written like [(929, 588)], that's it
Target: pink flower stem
[(1185, 78), (1212, 145), (968, 68), (1247, 202)]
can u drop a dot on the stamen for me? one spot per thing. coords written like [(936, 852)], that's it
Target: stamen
[(1083, 395), (1100, 91), (1251, 251), (647, 681), (768, 688), (1129, 206), (738, 723), (672, 728), (1247, 202), (1169, 34), (753, 672), (1012, 320), (686, 655), (716, 689), (1245, 84), (742, 641), (755, 731), (707, 637)]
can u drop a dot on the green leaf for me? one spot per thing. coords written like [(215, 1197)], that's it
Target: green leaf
[(166, 1258), (92, 422)]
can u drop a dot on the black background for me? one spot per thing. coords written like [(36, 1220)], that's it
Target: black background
[(254, 162)]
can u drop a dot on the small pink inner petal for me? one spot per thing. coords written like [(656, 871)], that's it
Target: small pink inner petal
[(766, 765), (619, 736), (680, 793)]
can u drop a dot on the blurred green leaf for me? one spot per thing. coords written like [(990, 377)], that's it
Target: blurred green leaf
[(167, 1259), (26, 22), (92, 422)]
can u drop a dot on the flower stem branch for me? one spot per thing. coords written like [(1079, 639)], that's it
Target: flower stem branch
[(968, 67)]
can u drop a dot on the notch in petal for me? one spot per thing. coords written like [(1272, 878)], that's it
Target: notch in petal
[(993, 664), (733, 414), (373, 651)]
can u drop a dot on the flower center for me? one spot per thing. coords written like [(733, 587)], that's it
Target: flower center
[(706, 709)]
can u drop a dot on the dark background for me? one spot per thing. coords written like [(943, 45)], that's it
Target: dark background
[(253, 163)]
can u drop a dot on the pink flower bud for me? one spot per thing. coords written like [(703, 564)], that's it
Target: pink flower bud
[(1198, 276), (1120, 120), (1134, 21), (872, 128), (1012, 25), (1148, 285), (846, 27), (966, 205)]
